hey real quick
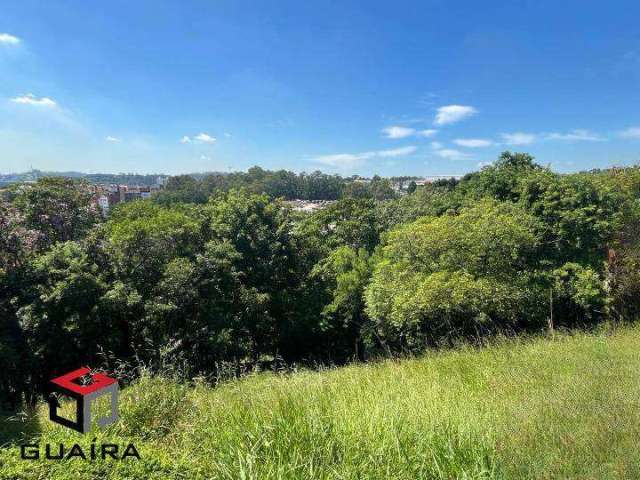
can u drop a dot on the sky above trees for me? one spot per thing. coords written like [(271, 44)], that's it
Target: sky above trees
[(429, 87)]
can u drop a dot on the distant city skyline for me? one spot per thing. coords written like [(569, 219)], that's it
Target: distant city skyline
[(417, 88)]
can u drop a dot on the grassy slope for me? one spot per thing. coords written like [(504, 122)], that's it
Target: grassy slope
[(563, 408)]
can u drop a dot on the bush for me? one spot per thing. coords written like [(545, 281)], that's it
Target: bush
[(455, 275)]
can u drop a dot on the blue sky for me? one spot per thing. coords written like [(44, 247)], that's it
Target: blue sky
[(424, 87)]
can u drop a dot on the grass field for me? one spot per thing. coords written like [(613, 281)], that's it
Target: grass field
[(567, 407)]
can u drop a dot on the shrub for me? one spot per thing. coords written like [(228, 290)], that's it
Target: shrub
[(455, 275)]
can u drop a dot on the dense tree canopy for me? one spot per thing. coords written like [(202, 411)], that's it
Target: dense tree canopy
[(276, 184), (218, 274), (440, 277)]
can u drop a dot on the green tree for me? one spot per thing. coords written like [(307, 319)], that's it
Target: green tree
[(142, 237), (344, 274), (377, 189), (623, 265), (59, 208), (580, 295), (456, 275), (502, 180), (59, 316), (580, 216), (181, 189), (18, 246), (348, 222), (270, 263)]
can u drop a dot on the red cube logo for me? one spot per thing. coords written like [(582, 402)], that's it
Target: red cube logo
[(70, 384)]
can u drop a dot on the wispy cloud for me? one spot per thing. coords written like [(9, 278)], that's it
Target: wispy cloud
[(430, 132), (347, 160), (200, 138), (453, 113), (111, 139), (631, 132), (204, 138), (395, 132), (8, 39), (452, 154), (473, 142), (396, 152), (448, 153), (577, 135), (519, 138), (35, 109), (31, 99)]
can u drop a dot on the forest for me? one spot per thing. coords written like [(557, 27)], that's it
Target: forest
[(217, 279), (283, 184)]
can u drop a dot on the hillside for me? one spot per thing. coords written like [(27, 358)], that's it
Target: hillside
[(119, 178), (545, 408)]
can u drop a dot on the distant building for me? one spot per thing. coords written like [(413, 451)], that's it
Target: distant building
[(106, 196), (103, 202), (308, 206), (434, 178)]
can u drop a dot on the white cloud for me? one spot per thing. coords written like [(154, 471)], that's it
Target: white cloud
[(448, 153), (205, 158), (473, 142), (631, 132), (451, 154), (200, 138), (228, 135), (9, 39), (31, 99), (453, 113), (396, 132), (204, 138), (484, 164), (111, 139), (396, 152), (576, 135), (347, 160), (426, 133), (518, 138)]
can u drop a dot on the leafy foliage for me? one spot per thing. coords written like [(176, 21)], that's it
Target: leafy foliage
[(275, 184), (441, 277), (217, 274)]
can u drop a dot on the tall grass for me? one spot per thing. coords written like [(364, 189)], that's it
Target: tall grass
[(567, 407)]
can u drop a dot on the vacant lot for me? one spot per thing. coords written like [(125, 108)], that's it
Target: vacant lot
[(566, 407)]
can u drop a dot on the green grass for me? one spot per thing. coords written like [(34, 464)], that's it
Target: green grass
[(546, 408)]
